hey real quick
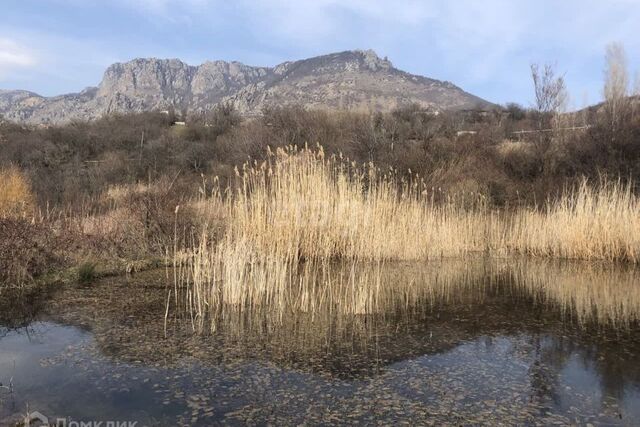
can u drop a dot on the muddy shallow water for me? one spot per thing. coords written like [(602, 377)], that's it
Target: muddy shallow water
[(465, 343)]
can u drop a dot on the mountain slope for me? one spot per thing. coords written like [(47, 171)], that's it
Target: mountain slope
[(354, 80)]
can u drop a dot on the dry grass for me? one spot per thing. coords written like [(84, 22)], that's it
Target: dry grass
[(16, 198), (301, 205), (589, 223), (293, 216)]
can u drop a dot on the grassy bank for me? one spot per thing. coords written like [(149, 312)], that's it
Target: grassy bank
[(127, 229)]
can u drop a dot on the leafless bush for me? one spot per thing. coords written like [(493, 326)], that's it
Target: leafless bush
[(25, 250)]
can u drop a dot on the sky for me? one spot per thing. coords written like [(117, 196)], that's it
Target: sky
[(486, 47)]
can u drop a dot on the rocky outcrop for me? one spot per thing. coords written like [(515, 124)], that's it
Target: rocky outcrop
[(353, 80)]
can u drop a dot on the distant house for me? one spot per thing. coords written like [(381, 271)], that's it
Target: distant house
[(466, 132)]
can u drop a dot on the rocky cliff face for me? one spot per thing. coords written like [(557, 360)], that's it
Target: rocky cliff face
[(354, 80)]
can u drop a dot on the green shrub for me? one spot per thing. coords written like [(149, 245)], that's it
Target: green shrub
[(87, 272)]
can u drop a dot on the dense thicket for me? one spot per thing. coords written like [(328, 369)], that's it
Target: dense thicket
[(479, 152)]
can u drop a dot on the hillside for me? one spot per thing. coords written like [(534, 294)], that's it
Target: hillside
[(351, 80)]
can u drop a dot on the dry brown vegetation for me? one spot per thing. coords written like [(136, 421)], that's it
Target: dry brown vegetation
[(16, 198), (117, 230), (589, 223), (25, 250), (415, 187), (301, 205), (24, 246), (294, 215)]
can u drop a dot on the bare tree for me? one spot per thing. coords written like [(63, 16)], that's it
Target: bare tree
[(550, 99), (635, 94), (550, 89), (616, 86)]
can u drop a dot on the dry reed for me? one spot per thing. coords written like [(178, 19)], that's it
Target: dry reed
[(588, 223), (295, 214), (301, 210), (301, 205)]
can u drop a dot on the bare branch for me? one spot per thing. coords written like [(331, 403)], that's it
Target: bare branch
[(550, 90)]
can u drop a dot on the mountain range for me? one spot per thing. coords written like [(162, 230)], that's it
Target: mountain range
[(352, 80)]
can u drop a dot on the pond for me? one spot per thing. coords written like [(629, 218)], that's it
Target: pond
[(481, 342)]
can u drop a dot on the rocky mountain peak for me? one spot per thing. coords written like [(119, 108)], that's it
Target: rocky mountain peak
[(356, 80), (373, 61)]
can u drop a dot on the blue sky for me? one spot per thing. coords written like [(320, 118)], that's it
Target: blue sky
[(58, 46)]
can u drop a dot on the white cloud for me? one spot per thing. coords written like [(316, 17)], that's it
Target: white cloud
[(485, 47), (50, 64), (14, 56), (303, 20), (168, 10), (311, 21)]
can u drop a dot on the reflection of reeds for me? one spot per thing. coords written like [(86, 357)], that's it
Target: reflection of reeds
[(422, 308), (601, 293), (278, 290), (607, 295)]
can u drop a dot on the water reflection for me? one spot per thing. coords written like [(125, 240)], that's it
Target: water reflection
[(602, 294), (479, 342)]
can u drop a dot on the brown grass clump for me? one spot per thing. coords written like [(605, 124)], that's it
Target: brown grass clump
[(16, 198)]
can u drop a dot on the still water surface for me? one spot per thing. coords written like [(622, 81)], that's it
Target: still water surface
[(474, 343)]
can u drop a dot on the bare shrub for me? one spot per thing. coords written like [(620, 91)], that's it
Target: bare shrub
[(26, 250), (550, 90)]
